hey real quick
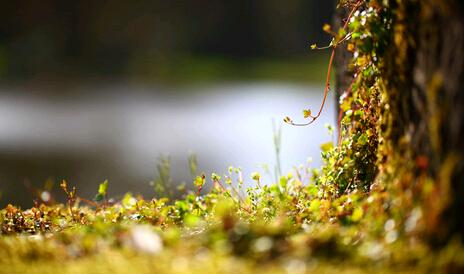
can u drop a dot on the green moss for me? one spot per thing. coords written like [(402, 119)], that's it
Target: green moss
[(272, 227)]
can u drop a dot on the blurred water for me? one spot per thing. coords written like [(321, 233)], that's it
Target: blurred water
[(117, 133)]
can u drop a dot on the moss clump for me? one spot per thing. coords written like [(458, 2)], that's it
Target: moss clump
[(285, 227)]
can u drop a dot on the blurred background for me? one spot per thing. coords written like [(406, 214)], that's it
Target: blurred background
[(95, 90)]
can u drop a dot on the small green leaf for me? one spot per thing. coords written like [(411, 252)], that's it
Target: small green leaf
[(314, 206), (306, 113), (327, 146), (341, 33), (312, 189), (255, 176), (102, 191), (98, 197), (215, 177), (283, 182), (363, 139), (103, 187), (199, 181), (356, 35), (357, 214)]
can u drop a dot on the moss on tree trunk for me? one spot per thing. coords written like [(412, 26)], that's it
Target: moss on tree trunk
[(421, 149)]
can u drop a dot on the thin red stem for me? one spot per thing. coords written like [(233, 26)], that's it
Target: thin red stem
[(329, 69)]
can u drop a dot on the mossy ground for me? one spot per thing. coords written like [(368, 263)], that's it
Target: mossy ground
[(283, 228)]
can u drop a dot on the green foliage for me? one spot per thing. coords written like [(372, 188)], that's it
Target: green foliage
[(102, 191), (163, 183), (353, 163), (268, 226)]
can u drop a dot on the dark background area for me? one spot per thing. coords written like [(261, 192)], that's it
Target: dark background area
[(49, 39)]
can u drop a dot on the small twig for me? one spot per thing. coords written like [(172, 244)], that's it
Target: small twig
[(329, 70), (89, 202)]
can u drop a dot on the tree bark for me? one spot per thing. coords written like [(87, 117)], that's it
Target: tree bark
[(424, 74), (343, 76)]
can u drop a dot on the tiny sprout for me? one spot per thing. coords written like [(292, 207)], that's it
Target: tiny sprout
[(102, 191), (313, 46), (199, 181), (215, 177), (289, 175), (255, 176), (239, 175), (288, 120), (306, 113), (64, 185), (70, 195), (325, 147)]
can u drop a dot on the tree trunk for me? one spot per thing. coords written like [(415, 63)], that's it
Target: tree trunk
[(424, 75)]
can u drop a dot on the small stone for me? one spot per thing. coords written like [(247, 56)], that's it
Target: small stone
[(143, 238)]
